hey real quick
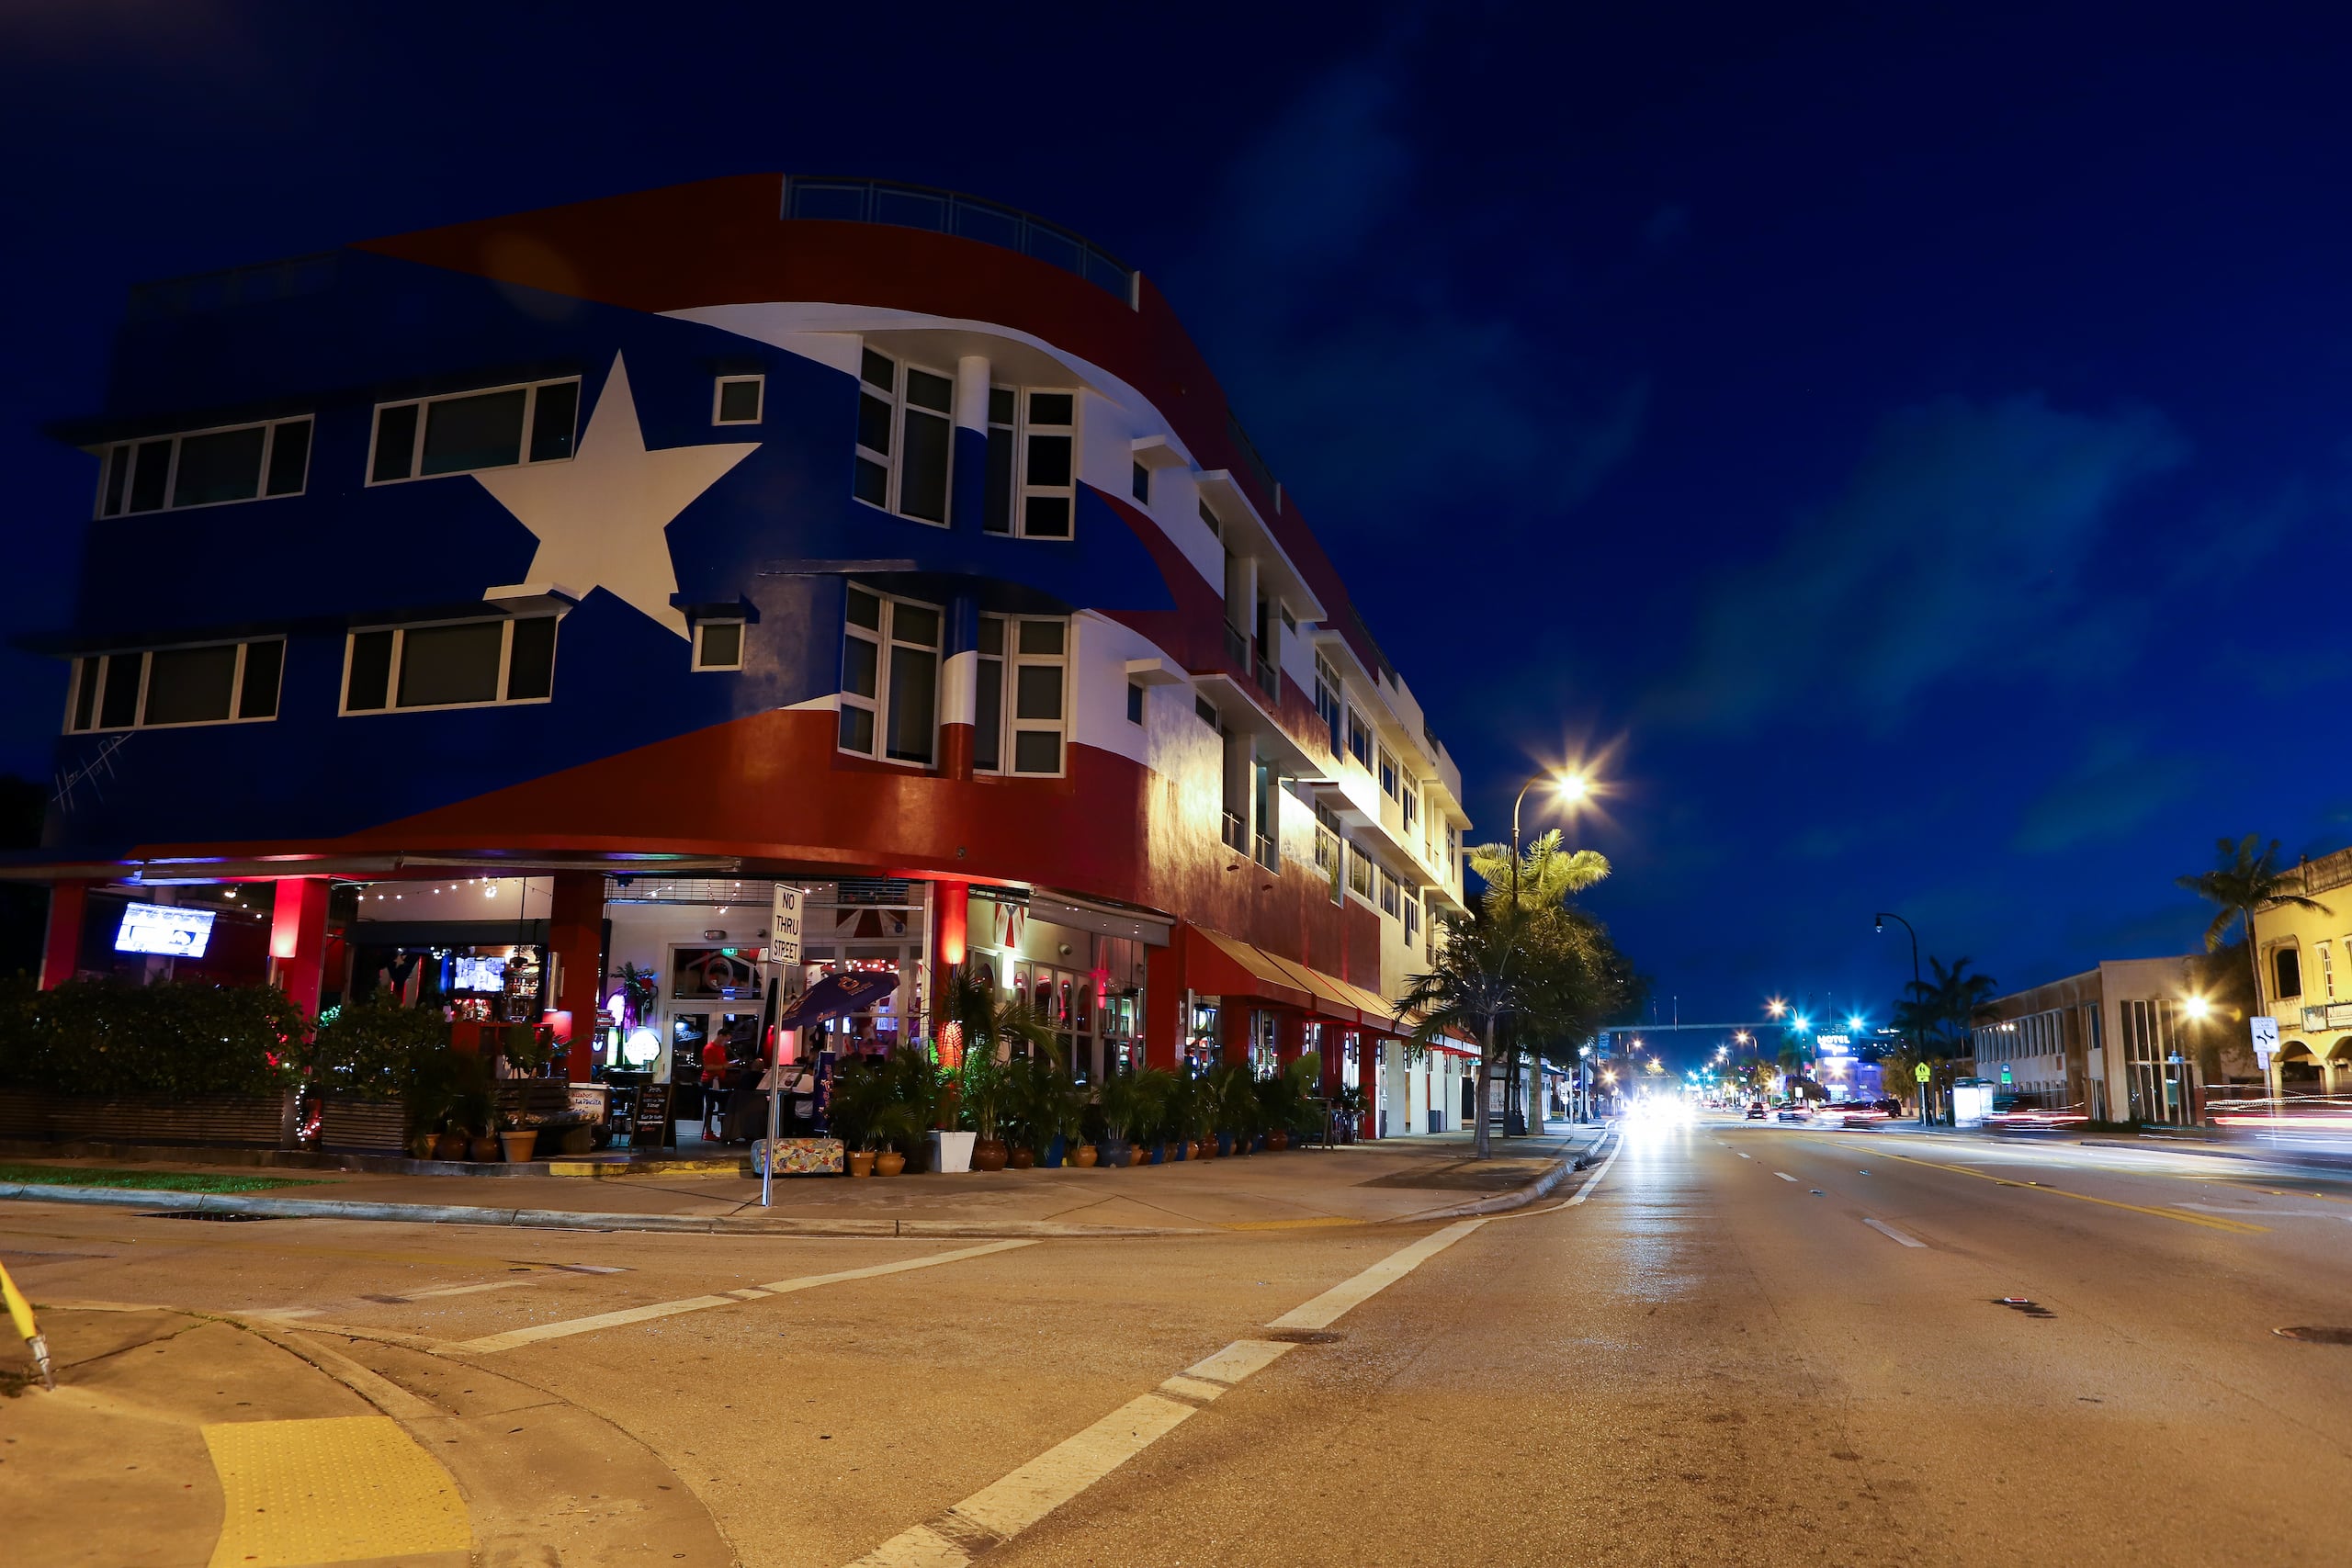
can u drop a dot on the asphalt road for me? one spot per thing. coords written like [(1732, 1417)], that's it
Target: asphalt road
[(1717, 1357)]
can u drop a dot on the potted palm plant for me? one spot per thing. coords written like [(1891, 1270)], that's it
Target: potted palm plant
[(983, 1023), (1118, 1106), (859, 1098), (980, 1095), (894, 1128), (1152, 1088)]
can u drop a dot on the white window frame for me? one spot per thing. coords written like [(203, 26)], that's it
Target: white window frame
[(400, 631), (1011, 662), (719, 394), (92, 668), (127, 452), (1391, 893), (698, 663), (423, 407), (1409, 800), (1412, 917), (1020, 431), (883, 636), (1357, 858), (893, 462), (1359, 730), (1391, 776)]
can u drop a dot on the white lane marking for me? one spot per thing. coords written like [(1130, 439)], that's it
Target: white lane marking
[(1785, 1176), (1326, 1308), (351, 1303), (1891, 1232), (1747, 1156), (2242, 1209), (536, 1332), (995, 1514), (1594, 1180)]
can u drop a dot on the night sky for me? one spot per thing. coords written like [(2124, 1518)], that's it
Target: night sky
[(1909, 441)]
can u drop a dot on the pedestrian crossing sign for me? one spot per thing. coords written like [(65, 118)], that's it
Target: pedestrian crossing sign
[(1920, 1072)]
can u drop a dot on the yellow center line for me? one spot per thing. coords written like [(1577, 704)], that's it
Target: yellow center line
[(2240, 1227)]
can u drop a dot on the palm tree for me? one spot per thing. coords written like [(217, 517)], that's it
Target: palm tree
[(1546, 876), (2241, 882), (1941, 1012)]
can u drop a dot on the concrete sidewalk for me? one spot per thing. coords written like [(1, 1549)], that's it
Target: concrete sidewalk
[(1385, 1181)]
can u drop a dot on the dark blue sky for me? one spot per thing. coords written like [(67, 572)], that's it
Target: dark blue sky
[(1913, 436)]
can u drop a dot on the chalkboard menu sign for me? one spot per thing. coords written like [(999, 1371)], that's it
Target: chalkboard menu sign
[(650, 1126)]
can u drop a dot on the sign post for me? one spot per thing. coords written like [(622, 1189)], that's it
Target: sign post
[(2264, 1031), (783, 959)]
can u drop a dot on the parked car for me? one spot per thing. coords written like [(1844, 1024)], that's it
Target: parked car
[(1891, 1107), (1756, 1111)]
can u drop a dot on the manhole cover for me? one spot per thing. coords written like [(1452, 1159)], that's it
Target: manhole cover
[(1304, 1335), (2316, 1336), (228, 1217), (2019, 1303)]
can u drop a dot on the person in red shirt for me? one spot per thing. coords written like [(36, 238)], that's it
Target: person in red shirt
[(714, 1078)]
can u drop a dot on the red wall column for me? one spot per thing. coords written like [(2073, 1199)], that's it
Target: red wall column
[(576, 940), (60, 950), (298, 940), (951, 912), (1163, 1006)]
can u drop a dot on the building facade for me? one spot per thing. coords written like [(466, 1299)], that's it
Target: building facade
[(500, 611), (2109, 1043), (2304, 975)]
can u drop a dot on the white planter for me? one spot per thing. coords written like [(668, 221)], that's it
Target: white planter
[(952, 1152)]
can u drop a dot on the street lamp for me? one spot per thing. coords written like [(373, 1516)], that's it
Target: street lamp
[(1571, 788), (1776, 1007), (1918, 1047)]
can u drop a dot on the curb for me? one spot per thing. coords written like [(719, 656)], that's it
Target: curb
[(704, 1224), (2182, 1146), (1535, 1191)]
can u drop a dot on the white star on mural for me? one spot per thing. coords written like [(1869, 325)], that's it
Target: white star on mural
[(602, 518)]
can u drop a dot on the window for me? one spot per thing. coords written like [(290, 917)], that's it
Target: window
[(1033, 464), (1388, 893), (903, 438), (736, 400), (1140, 485), (719, 645), (205, 468), (1327, 698), (1359, 738), (1135, 702), (497, 428), (1023, 658), (2287, 965), (449, 664), (225, 682), (889, 678), (1410, 799), (1412, 918), (1359, 871), (1387, 773), (1210, 518), (1204, 711)]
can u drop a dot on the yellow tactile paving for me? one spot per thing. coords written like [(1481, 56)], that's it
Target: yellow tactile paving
[(338, 1490)]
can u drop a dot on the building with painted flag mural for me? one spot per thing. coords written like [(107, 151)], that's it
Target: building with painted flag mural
[(491, 616)]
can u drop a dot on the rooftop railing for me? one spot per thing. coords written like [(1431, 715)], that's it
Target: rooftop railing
[(949, 212)]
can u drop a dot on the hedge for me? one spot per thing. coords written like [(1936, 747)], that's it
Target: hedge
[(112, 1037)]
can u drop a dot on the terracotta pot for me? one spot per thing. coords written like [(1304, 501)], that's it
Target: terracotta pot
[(1137, 1154), (1083, 1156), (485, 1148), (1277, 1140), (518, 1146), (421, 1147), (861, 1162), (990, 1153), (450, 1145), (1191, 1148), (889, 1162), (1022, 1159)]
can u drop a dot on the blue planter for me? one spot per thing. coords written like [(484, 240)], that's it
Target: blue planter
[(1224, 1143), (1158, 1155), (1052, 1159)]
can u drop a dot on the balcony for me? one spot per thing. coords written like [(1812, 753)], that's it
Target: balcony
[(1236, 649), (1270, 675), (1237, 836), (1267, 855), (951, 212)]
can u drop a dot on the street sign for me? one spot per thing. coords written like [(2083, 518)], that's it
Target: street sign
[(1920, 1072), (784, 926), (2265, 1034), (2006, 1079)]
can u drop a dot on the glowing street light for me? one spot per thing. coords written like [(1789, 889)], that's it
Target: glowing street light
[(2196, 1007), (1854, 1023), (1776, 1007)]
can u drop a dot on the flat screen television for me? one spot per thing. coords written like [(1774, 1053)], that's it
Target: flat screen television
[(164, 929), (475, 974)]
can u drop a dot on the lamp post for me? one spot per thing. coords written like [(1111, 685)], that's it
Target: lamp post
[(1572, 787), (1918, 1048)]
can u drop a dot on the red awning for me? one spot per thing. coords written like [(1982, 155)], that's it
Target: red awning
[(1226, 965)]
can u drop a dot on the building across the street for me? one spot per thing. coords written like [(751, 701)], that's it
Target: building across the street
[(2111, 1044), (2305, 975), (501, 611)]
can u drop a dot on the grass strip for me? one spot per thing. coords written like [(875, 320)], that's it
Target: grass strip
[(146, 1180)]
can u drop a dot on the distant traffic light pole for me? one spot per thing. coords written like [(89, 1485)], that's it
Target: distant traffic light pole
[(1919, 1049)]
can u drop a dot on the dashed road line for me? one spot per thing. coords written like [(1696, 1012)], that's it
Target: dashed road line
[(539, 1331), (1785, 1176), (997, 1513), (1891, 1234)]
